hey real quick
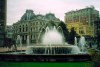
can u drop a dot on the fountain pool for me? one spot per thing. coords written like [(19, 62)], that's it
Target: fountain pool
[(52, 48)]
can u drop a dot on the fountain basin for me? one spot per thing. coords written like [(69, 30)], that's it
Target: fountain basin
[(45, 58), (56, 53), (54, 49)]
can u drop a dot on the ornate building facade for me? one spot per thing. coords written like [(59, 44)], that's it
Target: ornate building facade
[(31, 25), (9, 31), (97, 26), (82, 20)]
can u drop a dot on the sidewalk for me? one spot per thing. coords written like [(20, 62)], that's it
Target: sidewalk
[(6, 49)]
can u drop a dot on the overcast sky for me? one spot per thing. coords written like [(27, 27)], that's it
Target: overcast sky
[(16, 8)]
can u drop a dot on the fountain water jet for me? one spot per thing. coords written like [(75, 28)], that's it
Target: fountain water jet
[(75, 41), (82, 43), (51, 37), (28, 41), (53, 43), (19, 41)]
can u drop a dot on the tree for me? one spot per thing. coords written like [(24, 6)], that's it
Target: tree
[(72, 35), (98, 39), (8, 42), (64, 30)]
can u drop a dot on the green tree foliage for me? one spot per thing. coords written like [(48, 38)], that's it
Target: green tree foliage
[(8, 42), (72, 35), (64, 30), (98, 39)]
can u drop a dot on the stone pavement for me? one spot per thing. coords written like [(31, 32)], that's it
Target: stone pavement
[(7, 49)]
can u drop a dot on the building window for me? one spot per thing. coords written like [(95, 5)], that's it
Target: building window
[(81, 32), (23, 28), (19, 29), (26, 29), (31, 37), (34, 37), (31, 29)]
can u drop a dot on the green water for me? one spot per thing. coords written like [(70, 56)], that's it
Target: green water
[(45, 64)]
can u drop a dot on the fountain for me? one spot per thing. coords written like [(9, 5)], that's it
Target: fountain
[(53, 43), (82, 44), (52, 37), (19, 41), (75, 41), (28, 41), (52, 48)]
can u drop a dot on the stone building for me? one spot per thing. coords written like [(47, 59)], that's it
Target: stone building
[(97, 38), (2, 20), (82, 20), (97, 26), (9, 31), (31, 25)]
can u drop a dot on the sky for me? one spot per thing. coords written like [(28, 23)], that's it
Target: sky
[(16, 8)]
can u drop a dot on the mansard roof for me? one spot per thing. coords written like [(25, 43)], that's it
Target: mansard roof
[(50, 16), (39, 16), (28, 15)]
